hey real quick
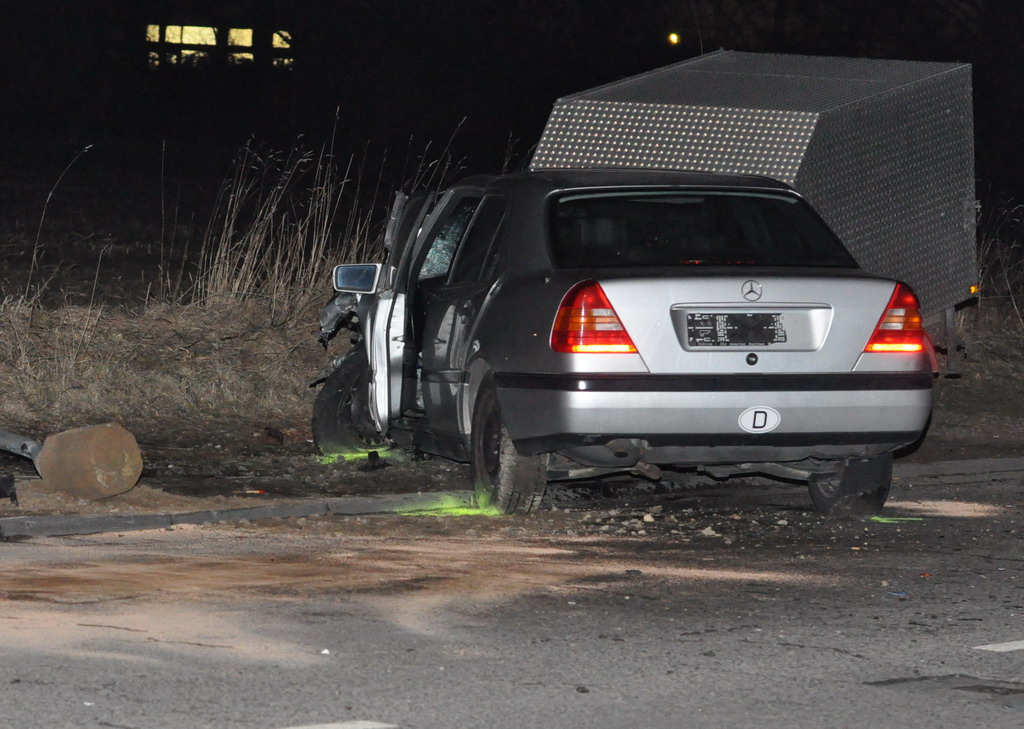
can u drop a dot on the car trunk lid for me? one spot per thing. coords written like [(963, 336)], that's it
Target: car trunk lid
[(710, 324)]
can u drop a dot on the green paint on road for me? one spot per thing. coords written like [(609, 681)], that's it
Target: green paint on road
[(452, 506), (359, 454)]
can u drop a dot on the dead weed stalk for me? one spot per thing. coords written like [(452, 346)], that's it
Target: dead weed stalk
[(1000, 309), (277, 227), (233, 339)]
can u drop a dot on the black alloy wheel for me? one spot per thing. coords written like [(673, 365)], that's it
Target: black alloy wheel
[(503, 478)]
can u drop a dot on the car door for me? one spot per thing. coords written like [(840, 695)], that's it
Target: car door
[(451, 312), (384, 330), (422, 263)]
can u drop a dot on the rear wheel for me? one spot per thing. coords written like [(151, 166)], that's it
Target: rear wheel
[(503, 478), (858, 489), (341, 412)]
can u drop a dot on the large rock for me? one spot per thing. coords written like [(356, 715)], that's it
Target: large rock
[(93, 462)]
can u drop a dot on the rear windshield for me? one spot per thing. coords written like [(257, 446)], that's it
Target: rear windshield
[(688, 228)]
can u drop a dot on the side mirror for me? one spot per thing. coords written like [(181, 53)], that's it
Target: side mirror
[(357, 278)]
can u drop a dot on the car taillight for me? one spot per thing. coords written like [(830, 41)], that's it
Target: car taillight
[(586, 322), (899, 329)]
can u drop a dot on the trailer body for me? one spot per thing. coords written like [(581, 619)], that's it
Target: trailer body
[(883, 149)]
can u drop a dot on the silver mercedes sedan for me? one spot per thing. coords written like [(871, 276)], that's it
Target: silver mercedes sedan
[(557, 325)]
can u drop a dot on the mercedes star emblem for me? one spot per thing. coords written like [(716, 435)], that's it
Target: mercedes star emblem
[(751, 290)]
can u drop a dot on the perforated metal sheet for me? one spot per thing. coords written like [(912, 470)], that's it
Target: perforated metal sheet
[(585, 133), (883, 149)]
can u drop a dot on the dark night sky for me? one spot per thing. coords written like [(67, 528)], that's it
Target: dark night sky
[(75, 73)]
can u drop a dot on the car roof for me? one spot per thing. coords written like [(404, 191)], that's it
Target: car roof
[(551, 180)]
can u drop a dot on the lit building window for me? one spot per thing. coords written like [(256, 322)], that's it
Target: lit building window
[(195, 35), (240, 37), (192, 57), (189, 45)]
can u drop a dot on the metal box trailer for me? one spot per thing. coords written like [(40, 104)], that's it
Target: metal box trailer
[(883, 149)]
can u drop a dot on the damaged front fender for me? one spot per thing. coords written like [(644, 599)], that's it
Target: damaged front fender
[(340, 311)]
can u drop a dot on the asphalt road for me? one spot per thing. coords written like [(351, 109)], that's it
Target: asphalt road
[(728, 607)]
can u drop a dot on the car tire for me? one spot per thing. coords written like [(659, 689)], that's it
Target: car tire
[(858, 489), (341, 412), (503, 478)]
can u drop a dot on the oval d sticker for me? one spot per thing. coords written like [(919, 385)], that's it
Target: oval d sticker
[(761, 419)]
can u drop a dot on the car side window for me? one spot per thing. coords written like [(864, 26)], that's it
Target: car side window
[(476, 249), (445, 242)]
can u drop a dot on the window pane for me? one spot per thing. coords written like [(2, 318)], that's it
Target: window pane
[(237, 59), (240, 37), (713, 228), (473, 252), (153, 33), (195, 35), (442, 247), (282, 39), (191, 57), (172, 34)]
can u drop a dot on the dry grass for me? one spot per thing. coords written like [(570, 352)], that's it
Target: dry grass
[(274, 223), (233, 336), (995, 326), (75, 364), (227, 329)]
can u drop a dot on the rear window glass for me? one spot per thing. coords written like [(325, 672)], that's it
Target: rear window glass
[(677, 228)]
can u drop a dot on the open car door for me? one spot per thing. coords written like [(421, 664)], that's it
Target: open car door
[(386, 331)]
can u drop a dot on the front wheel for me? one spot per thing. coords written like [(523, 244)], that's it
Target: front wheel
[(341, 412), (858, 489), (503, 478)]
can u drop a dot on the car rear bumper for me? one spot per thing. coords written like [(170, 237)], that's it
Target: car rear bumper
[(696, 418)]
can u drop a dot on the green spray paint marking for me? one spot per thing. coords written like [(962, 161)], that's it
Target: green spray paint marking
[(452, 506), (360, 455), (894, 519)]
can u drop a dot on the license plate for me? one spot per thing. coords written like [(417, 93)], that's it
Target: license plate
[(734, 330)]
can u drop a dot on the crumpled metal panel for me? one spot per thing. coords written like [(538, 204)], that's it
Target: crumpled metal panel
[(883, 149)]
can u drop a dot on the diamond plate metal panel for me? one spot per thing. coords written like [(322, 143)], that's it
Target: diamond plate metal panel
[(883, 149)]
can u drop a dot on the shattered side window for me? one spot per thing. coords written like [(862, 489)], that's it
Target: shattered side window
[(442, 247)]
